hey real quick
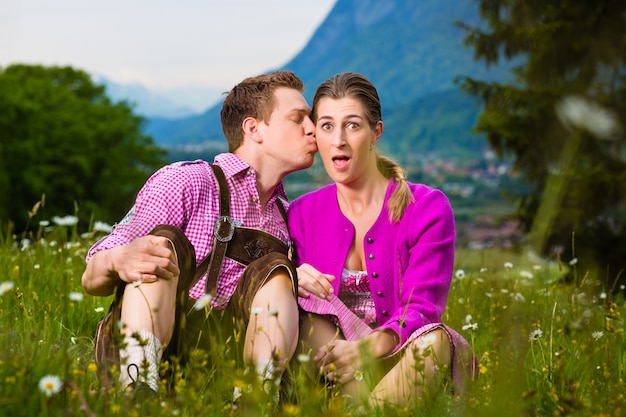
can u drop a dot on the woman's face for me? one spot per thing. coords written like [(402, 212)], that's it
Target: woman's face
[(346, 140)]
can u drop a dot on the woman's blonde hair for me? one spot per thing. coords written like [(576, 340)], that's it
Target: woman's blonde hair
[(350, 84)]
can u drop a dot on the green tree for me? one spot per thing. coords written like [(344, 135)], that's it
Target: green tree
[(62, 137), (561, 120)]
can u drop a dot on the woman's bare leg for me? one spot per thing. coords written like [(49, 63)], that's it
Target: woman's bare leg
[(422, 368), (315, 331)]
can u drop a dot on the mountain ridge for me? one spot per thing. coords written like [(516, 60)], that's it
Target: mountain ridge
[(411, 52)]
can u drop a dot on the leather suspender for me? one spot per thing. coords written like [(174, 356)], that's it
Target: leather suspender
[(223, 234)]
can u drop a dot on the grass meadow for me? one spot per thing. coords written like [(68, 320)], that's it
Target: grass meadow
[(546, 347)]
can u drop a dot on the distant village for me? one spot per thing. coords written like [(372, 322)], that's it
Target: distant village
[(476, 189)]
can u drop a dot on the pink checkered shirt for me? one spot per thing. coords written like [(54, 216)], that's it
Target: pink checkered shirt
[(184, 194)]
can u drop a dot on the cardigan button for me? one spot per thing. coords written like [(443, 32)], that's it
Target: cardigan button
[(379, 293), (374, 275), (370, 240), (371, 256), (385, 313)]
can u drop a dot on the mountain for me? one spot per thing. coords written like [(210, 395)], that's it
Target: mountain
[(411, 50), (170, 103)]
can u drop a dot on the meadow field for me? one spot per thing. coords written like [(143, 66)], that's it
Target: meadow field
[(547, 346)]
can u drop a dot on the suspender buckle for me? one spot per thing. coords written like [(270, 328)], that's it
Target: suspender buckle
[(224, 229)]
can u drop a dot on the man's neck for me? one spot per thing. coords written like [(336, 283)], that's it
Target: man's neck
[(267, 176)]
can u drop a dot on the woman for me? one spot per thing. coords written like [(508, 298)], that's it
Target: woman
[(375, 256)]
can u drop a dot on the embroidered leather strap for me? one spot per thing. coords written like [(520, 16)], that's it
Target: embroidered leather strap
[(240, 244)]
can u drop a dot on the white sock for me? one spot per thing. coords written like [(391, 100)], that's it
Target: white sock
[(140, 358)]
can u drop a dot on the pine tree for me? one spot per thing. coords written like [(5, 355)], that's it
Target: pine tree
[(561, 121)]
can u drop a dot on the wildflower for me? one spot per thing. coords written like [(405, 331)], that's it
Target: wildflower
[(203, 302), (25, 244), (256, 310), (36, 266), (358, 375), (535, 335), (577, 112), (460, 274), (602, 295), (303, 358), (483, 270), (468, 323), (597, 334), (6, 286), (237, 393), (73, 340), (44, 223), (137, 283), (537, 267), (519, 297), (98, 309), (76, 296), (50, 385), (526, 274), (65, 220), (508, 265), (99, 226), (470, 326), (427, 341), (573, 262), (92, 367), (273, 313)]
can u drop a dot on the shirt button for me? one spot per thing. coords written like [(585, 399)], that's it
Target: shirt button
[(379, 293), (370, 240), (385, 313), (371, 256), (254, 199), (374, 275)]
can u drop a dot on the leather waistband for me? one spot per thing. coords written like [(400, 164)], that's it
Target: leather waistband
[(248, 245)]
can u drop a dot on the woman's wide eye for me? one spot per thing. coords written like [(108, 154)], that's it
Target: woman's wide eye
[(353, 126)]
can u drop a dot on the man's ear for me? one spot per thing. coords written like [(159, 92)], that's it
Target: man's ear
[(250, 127)]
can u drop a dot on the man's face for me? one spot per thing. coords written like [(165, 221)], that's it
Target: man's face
[(289, 134)]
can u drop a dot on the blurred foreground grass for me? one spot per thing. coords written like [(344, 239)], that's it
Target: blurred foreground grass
[(546, 347)]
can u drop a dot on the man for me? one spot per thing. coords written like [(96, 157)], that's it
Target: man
[(266, 122)]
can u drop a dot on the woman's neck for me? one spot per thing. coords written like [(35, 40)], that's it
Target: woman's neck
[(356, 200)]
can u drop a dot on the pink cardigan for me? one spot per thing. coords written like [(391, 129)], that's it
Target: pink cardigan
[(410, 263)]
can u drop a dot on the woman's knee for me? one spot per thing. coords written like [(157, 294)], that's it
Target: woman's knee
[(436, 343)]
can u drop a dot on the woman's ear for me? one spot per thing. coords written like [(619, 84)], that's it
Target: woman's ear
[(378, 130), (250, 127)]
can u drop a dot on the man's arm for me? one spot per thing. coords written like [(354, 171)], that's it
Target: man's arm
[(145, 259)]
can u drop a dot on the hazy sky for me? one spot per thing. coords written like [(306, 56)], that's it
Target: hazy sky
[(160, 43)]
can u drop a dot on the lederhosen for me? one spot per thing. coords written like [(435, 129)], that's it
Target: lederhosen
[(259, 251)]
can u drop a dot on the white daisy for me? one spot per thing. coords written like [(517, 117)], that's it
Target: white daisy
[(50, 385)]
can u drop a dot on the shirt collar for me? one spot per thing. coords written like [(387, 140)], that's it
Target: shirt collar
[(232, 166)]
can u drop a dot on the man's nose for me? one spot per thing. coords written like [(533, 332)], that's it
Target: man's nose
[(309, 129)]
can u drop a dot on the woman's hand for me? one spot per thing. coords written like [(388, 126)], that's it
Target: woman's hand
[(312, 281), (340, 361)]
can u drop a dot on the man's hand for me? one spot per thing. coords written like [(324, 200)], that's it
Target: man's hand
[(146, 259)]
